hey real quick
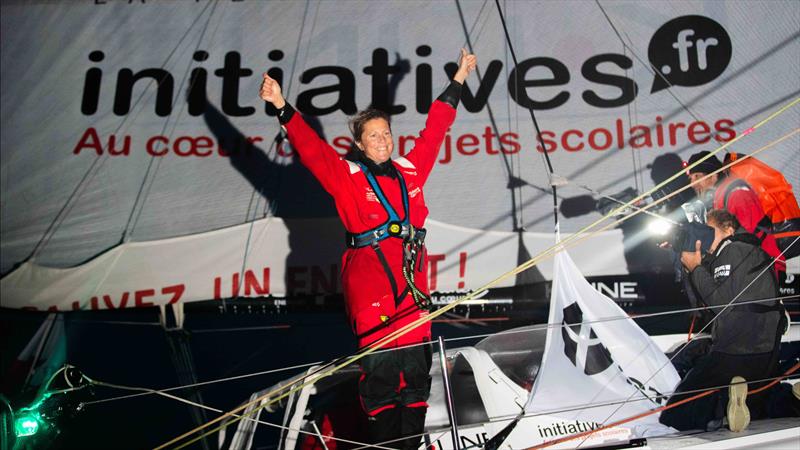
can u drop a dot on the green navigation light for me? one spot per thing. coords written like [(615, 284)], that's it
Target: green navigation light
[(26, 425)]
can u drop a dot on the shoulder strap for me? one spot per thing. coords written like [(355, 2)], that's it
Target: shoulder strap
[(373, 183), (734, 184), (764, 226)]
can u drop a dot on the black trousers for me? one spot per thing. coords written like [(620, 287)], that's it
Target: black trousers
[(394, 388), (717, 369)]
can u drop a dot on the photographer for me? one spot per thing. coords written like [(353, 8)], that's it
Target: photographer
[(720, 191), (745, 338)]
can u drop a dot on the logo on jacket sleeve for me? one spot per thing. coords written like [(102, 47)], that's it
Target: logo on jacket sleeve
[(581, 344), (722, 271)]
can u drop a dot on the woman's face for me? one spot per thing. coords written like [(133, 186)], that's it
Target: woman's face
[(719, 234), (376, 140)]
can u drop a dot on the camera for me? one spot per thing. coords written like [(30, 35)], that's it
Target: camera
[(685, 236)]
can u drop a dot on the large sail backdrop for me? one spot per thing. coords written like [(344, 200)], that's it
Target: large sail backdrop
[(140, 167)]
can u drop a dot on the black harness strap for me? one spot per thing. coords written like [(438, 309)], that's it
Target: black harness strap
[(382, 258)]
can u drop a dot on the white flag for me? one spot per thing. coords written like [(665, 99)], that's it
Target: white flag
[(598, 367)]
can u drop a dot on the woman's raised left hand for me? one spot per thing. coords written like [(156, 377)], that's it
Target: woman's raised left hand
[(466, 64)]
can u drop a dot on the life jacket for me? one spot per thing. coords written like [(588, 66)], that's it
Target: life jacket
[(775, 196)]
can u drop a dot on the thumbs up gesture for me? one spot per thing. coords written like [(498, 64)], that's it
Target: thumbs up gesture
[(466, 64), (271, 92)]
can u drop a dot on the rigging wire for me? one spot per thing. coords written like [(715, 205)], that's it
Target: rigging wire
[(675, 193), (471, 31), (516, 160), (504, 434), (580, 407), (653, 71), (271, 205), (507, 165), (730, 304), (528, 329), (147, 181), (686, 187), (578, 239), (637, 155), (579, 236), (742, 119), (97, 163), (636, 166), (210, 408), (125, 123), (620, 202), (653, 411), (551, 174), (495, 419)]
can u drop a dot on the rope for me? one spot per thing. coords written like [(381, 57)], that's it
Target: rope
[(585, 406), (772, 380), (421, 299), (691, 327), (480, 291), (631, 203), (210, 408), (666, 198), (619, 202), (729, 304), (674, 193), (657, 410), (381, 445), (540, 327)]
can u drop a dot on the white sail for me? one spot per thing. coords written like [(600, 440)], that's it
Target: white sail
[(598, 367)]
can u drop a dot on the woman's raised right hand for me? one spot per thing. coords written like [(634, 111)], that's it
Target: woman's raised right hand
[(271, 92)]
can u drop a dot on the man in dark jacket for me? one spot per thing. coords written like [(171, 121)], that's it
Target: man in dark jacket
[(745, 338)]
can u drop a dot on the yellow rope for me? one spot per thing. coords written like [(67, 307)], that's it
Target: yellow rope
[(480, 291)]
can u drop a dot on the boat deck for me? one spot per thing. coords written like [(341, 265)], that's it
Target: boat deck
[(761, 434)]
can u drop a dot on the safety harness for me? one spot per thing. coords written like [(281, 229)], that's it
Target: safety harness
[(394, 227)]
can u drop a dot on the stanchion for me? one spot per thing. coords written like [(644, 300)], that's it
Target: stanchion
[(451, 410)]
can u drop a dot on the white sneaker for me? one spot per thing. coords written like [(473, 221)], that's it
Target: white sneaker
[(738, 414)]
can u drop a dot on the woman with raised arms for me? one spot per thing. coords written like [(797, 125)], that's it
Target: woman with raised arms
[(384, 273)]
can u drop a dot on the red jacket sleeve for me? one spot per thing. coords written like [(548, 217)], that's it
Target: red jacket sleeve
[(427, 145), (319, 157)]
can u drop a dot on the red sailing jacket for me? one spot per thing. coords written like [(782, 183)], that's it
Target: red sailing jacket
[(744, 204), (367, 289)]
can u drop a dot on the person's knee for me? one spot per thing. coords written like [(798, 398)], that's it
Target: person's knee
[(378, 384)]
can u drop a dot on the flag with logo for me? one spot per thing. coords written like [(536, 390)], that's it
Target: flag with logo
[(598, 366)]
